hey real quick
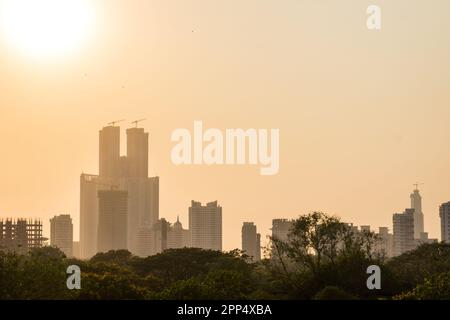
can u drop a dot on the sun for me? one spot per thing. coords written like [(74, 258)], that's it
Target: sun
[(46, 28)]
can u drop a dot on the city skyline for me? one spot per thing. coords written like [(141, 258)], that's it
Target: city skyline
[(362, 114), (139, 154), (135, 165)]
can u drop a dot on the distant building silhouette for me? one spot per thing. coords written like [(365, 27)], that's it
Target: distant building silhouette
[(251, 241), (76, 249), (112, 220), (281, 228), (137, 153), (88, 215), (177, 237), (280, 231), (130, 173), (444, 214), (109, 152), (61, 233), (160, 231), (386, 243), (145, 241), (205, 225), (20, 235), (416, 204), (404, 232), (161, 236)]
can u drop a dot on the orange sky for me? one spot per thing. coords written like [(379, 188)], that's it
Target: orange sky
[(362, 114)]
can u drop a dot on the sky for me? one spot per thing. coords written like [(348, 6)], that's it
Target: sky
[(362, 114)]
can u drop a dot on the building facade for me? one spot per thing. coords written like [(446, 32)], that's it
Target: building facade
[(444, 215), (61, 233), (128, 173), (404, 232), (112, 220), (205, 225), (416, 204), (20, 235), (251, 241)]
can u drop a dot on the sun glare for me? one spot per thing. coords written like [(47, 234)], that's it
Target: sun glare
[(46, 28)]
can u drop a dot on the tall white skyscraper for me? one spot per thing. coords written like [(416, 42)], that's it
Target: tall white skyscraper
[(205, 225), (416, 204), (444, 214), (61, 233)]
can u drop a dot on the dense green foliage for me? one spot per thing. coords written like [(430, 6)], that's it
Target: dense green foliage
[(322, 259)]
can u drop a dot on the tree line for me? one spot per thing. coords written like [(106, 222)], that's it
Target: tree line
[(322, 258)]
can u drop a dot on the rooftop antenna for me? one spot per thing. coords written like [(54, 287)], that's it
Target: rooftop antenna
[(113, 123), (417, 184), (137, 122)]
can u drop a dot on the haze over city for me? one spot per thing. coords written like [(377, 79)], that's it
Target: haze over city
[(362, 116)]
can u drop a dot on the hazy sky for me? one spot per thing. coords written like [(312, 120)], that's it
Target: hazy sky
[(362, 114)]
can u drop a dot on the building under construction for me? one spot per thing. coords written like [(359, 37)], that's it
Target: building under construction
[(20, 235)]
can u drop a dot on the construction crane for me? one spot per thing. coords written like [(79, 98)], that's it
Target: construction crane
[(113, 123), (137, 122)]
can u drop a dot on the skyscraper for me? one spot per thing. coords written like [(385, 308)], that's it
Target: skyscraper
[(130, 173), (444, 214), (88, 215), (251, 241), (109, 152), (205, 225), (386, 243), (416, 204), (61, 233), (404, 232), (137, 153), (112, 220)]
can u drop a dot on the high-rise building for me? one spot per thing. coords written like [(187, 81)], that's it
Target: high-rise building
[(416, 204), (281, 228), (89, 186), (160, 235), (20, 235), (444, 214), (145, 241), (137, 153), (258, 246), (251, 241), (205, 225), (130, 173), (112, 220), (61, 233), (280, 232), (386, 242), (109, 155), (177, 237), (404, 232)]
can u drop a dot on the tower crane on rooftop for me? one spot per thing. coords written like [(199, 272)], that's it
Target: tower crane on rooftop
[(113, 123), (137, 122)]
